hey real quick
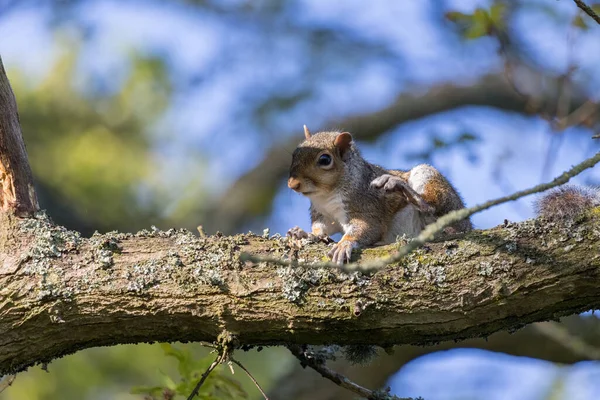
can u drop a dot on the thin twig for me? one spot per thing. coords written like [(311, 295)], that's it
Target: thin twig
[(434, 228), (205, 375), (239, 364), (338, 378), (561, 335), (588, 10), (6, 381)]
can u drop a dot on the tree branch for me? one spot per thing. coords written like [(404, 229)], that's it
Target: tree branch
[(588, 10), (61, 293), (336, 377), (17, 194), (300, 384)]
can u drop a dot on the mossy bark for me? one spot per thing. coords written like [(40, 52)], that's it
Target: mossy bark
[(61, 293)]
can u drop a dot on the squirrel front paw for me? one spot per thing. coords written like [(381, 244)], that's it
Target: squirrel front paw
[(391, 183), (342, 251)]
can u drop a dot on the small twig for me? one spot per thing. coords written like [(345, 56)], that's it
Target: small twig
[(338, 378), (436, 227), (6, 381), (588, 10), (561, 335), (205, 375), (239, 364)]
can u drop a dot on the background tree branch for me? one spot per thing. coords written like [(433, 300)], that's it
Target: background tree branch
[(302, 384)]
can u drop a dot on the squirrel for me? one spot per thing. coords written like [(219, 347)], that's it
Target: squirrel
[(370, 205), (566, 202)]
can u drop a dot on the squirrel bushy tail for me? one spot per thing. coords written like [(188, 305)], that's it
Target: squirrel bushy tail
[(566, 202)]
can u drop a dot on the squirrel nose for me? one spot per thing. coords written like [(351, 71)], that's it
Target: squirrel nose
[(294, 183)]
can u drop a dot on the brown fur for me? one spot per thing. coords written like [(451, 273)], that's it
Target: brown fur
[(566, 202)]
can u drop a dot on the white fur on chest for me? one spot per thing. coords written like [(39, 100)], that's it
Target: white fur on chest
[(331, 206)]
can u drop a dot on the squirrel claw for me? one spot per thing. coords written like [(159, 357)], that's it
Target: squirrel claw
[(342, 251), (320, 238), (391, 183), (297, 233)]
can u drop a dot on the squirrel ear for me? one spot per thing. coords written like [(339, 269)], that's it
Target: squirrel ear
[(342, 142), (306, 132)]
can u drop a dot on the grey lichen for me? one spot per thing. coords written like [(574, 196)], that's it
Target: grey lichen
[(296, 281), (103, 248), (485, 268), (50, 240), (435, 274), (143, 276)]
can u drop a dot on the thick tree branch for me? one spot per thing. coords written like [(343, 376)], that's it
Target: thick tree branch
[(252, 194), (61, 293), (17, 193)]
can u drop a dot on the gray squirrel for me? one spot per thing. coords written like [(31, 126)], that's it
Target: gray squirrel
[(369, 204)]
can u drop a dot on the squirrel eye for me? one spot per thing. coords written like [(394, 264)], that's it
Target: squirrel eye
[(324, 160)]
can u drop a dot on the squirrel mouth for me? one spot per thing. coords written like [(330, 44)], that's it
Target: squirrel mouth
[(307, 193)]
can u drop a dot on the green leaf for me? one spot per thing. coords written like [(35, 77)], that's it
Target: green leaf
[(152, 390), (496, 15), (580, 22), (477, 30), (456, 16)]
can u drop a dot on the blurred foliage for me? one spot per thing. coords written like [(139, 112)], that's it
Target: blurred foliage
[(92, 152), (216, 386), (482, 22), (126, 372)]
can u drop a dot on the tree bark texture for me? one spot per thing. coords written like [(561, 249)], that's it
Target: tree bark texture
[(61, 293)]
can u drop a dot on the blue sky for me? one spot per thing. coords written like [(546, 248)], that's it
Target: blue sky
[(207, 119)]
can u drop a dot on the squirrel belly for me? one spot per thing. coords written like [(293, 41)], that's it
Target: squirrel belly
[(408, 221)]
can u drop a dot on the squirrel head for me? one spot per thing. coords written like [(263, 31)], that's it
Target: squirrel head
[(318, 163)]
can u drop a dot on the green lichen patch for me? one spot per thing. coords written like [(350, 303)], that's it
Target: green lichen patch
[(49, 240)]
